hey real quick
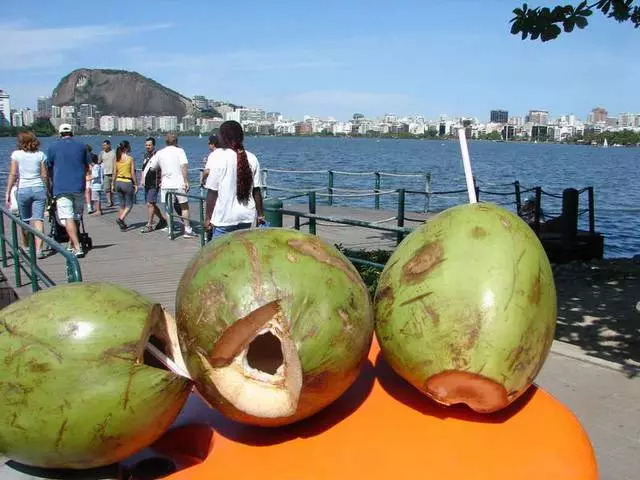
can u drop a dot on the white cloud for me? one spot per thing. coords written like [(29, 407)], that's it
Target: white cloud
[(32, 48)]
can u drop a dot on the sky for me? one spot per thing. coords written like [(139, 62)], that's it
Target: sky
[(327, 58)]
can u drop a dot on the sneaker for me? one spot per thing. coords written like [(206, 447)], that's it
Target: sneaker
[(147, 229), (41, 254), (162, 225), (121, 224), (189, 234), (78, 253)]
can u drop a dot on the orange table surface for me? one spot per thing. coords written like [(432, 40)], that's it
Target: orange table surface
[(384, 428)]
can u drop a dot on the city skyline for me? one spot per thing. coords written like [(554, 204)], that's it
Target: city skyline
[(455, 58)]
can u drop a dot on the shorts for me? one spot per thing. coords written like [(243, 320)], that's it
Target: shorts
[(151, 195), (31, 203), (70, 205), (95, 195), (179, 195), (108, 182), (125, 193), (219, 231)]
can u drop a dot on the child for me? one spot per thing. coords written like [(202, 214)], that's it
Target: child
[(97, 180)]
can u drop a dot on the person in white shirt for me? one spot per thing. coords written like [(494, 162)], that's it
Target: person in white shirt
[(28, 171), (173, 164), (234, 198)]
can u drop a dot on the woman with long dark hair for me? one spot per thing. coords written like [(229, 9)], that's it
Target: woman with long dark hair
[(124, 176), (234, 198)]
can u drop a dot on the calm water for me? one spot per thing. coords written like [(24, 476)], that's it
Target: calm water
[(614, 172)]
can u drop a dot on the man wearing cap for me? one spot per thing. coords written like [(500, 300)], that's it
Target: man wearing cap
[(68, 161), (107, 157)]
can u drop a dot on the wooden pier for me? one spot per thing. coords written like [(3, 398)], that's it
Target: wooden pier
[(152, 264)]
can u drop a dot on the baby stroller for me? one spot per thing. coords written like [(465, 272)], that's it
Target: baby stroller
[(59, 233)]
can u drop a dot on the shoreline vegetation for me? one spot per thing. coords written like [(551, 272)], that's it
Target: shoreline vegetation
[(625, 138)]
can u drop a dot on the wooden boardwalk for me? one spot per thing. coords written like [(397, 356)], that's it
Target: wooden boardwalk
[(152, 264)]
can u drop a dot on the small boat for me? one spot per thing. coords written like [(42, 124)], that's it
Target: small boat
[(605, 144)]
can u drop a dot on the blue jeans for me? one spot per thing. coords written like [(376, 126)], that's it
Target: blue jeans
[(31, 203), (219, 231)]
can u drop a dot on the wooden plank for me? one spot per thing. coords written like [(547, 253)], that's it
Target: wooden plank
[(152, 264)]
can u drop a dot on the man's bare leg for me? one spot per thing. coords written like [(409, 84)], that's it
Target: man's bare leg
[(72, 230)]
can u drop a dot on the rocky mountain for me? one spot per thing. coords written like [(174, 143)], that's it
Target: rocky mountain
[(119, 92)]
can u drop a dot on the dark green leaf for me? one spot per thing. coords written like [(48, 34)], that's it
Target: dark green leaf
[(581, 22)]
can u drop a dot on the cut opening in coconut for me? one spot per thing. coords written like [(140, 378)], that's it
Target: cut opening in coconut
[(265, 353), (159, 346), (255, 365)]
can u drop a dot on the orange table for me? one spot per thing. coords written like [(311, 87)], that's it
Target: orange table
[(382, 428)]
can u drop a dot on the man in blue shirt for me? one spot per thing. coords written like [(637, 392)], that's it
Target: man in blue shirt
[(68, 161)]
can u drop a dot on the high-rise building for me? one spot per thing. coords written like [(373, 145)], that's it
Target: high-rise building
[(599, 115), (499, 116), (86, 110), (28, 117), (5, 109), (107, 123), (538, 117), (68, 111), (56, 111), (16, 119), (200, 102), (44, 107)]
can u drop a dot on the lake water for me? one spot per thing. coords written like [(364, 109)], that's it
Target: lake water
[(613, 172)]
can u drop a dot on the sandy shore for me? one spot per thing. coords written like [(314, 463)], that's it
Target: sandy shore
[(599, 309)]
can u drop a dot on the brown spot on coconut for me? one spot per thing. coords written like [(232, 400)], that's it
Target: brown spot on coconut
[(495, 302), (281, 326)]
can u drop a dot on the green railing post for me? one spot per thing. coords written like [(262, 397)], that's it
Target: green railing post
[(264, 181), (312, 209), (376, 188), (330, 187), (400, 217), (476, 188), (592, 213), (33, 274), (15, 254), (536, 221), (296, 222), (427, 189), (272, 211), (74, 274), (203, 234), (516, 186), (3, 243)]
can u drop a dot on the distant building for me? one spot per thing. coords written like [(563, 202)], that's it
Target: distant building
[(56, 112), (28, 117), (599, 115), (251, 115), (168, 123), (89, 123), (86, 110), (107, 123), (499, 116), (538, 117), (16, 119), (67, 112), (44, 107), (5, 109), (200, 102)]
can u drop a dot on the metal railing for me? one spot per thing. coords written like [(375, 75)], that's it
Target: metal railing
[(26, 260), (173, 215)]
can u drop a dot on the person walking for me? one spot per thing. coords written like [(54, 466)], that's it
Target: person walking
[(125, 185), (87, 191), (234, 197), (107, 159), (97, 181), (174, 179), (214, 143), (28, 163), (151, 186), (68, 161)]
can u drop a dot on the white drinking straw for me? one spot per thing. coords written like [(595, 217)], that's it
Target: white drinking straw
[(466, 161), (167, 362)]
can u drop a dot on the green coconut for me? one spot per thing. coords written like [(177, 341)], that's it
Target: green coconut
[(466, 307), (274, 324), (77, 389)]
